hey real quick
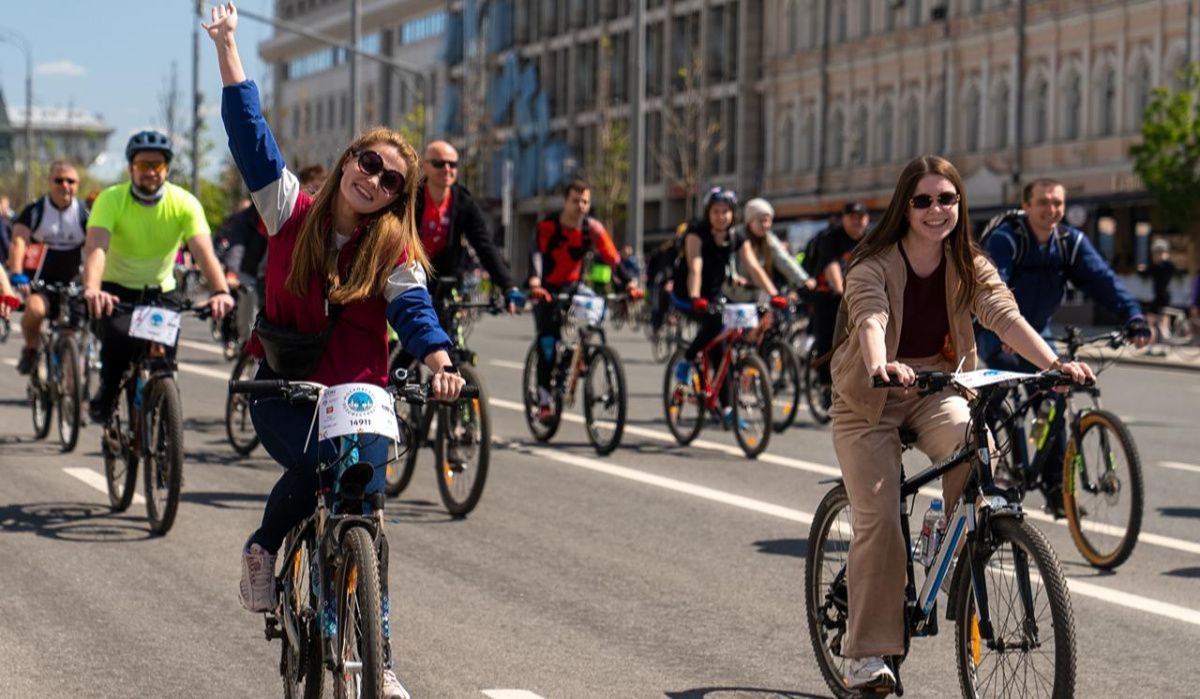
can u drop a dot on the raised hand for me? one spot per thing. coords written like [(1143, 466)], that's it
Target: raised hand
[(224, 21)]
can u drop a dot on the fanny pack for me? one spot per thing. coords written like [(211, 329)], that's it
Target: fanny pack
[(291, 354)]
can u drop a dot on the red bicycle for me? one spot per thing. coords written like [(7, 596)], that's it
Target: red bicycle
[(691, 392)]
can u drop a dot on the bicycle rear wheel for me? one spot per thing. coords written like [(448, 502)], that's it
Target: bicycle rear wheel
[(1032, 652), (118, 444), (786, 383), (683, 403), (1102, 490), (359, 669), (816, 391), (41, 396), (751, 405), (826, 597), (604, 400), (463, 449), (301, 664), (164, 454), (239, 428), (70, 394), (410, 415)]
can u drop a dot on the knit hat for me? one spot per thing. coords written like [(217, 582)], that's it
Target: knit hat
[(758, 207)]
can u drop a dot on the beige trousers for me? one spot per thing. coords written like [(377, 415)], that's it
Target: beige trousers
[(870, 459)]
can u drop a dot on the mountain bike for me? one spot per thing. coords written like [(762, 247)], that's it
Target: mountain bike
[(146, 424), (462, 441), (783, 368), (1102, 484), (583, 353), (238, 426), (1014, 628), (59, 375), (331, 603), (741, 374)]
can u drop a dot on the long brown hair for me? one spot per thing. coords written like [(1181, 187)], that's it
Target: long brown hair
[(392, 231), (762, 249), (894, 225)]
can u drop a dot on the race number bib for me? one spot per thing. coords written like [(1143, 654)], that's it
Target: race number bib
[(356, 408), (589, 309), (156, 324), (740, 315), (986, 377)]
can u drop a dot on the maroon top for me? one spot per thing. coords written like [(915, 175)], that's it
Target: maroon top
[(926, 321)]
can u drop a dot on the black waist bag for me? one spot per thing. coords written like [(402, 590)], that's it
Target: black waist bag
[(291, 354)]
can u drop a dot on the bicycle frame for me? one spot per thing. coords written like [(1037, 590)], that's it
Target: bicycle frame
[(713, 384)]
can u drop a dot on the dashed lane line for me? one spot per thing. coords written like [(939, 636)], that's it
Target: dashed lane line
[(97, 481), (1178, 466), (505, 364), (511, 694)]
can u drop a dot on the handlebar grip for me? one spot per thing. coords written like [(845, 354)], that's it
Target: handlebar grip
[(878, 382), (261, 386), (469, 391)]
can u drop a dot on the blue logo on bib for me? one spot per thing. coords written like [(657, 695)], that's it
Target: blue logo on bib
[(360, 402)]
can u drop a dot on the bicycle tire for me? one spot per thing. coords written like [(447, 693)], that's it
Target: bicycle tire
[(359, 618), (542, 430), (970, 649), (70, 395), (814, 390), (467, 425), (1080, 506), (301, 669), (751, 367), (825, 593), (239, 428), (41, 396), (787, 383), (117, 446), (605, 363), (677, 398), (398, 474), (163, 460)]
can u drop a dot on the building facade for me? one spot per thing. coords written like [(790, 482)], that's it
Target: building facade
[(58, 134)]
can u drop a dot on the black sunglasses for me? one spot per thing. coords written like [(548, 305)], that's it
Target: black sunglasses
[(64, 180), (924, 201), (439, 164), (370, 164)]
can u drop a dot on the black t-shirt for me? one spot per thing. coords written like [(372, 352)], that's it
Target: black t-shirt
[(837, 245), (1161, 274), (718, 261)]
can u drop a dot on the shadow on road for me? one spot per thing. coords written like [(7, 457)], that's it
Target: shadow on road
[(731, 692), (1185, 512), (225, 500), (1184, 573), (414, 511), (73, 521), (784, 547), (205, 425)]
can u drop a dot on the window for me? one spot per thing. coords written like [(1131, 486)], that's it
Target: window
[(841, 22), (883, 133), (999, 113), (835, 139), (1039, 111), (912, 128), (1106, 101), (859, 144), (935, 139), (971, 112), (423, 28), (787, 146), (864, 18), (1072, 109), (808, 145), (654, 60), (791, 24), (914, 13), (1140, 86)]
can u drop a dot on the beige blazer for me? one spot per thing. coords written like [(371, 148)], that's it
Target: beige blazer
[(875, 289)]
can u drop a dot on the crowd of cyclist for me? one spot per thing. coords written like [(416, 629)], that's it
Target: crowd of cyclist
[(380, 240)]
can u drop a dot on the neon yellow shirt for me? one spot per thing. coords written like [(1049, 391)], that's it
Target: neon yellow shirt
[(141, 251)]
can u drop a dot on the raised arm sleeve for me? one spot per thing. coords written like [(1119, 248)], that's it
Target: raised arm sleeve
[(274, 189)]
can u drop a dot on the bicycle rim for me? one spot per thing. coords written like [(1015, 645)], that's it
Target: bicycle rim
[(683, 403), (164, 455), (69, 396), (463, 450), (239, 428), (542, 430), (825, 593), (41, 398), (786, 384), (1102, 490), (359, 620), (1030, 654), (752, 406), (604, 400), (117, 445)]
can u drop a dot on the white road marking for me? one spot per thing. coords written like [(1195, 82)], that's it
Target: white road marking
[(202, 346), (204, 371), (505, 364), (511, 694), (10, 362), (97, 481), (1077, 587), (1178, 466)]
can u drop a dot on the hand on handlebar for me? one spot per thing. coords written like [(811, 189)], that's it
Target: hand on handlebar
[(445, 386), (8, 304), (700, 305), (540, 294), (220, 304), (1138, 332), (894, 372), (100, 303), (636, 294), (1079, 372), (779, 301)]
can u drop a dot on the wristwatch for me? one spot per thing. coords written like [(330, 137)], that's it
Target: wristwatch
[(450, 369)]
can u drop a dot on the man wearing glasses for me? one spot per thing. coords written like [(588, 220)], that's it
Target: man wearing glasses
[(47, 245), (135, 229)]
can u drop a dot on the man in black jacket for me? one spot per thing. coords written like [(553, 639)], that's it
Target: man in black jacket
[(446, 214)]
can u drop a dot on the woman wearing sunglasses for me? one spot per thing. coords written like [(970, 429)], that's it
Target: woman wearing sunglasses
[(348, 256), (911, 289)]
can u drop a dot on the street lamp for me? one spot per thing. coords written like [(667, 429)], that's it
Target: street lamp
[(20, 41)]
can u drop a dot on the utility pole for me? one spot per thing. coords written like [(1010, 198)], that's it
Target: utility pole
[(1018, 154), (355, 31), (637, 135), (196, 97)]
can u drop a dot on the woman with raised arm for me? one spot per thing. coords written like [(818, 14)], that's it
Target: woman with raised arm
[(911, 289), (348, 256)]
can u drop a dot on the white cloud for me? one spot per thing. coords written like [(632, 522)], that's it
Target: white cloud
[(67, 68)]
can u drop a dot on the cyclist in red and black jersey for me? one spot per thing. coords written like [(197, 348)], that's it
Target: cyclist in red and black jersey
[(561, 243)]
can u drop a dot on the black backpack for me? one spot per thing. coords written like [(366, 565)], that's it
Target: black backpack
[(1017, 220)]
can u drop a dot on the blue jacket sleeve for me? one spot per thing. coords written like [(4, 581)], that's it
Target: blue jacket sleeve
[(1002, 248), (412, 316), (1095, 278), (273, 188)]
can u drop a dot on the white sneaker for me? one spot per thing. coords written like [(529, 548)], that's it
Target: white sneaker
[(257, 588), (392, 689), (870, 672)]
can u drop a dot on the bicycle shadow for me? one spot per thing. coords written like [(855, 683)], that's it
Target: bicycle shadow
[(1185, 512), (731, 692), (73, 521), (224, 500), (797, 548), (204, 425), (1184, 573), (415, 511)]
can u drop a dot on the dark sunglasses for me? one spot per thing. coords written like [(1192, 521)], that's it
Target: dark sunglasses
[(439, 164), (64, 180), (370, 164), (924, 201)]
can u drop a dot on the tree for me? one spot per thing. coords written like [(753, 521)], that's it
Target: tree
[(610, 170), (1168, 157), (412, 127), (690, 136)]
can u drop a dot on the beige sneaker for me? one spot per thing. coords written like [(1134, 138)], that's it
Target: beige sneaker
[(257, 588)]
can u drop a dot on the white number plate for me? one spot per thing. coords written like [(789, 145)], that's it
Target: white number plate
[(740, 315), (589, 309), (356, 408), (156, 324), (986, 377)]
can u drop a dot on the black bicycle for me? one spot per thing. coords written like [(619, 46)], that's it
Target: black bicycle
[(60, 369), (462, 441), (1008, 597), (1102, 485), (331, 602), (146, 424), (238, 427), (783, 368)]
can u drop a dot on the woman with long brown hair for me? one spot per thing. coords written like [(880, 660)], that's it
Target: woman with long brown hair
[(348, 257), (911, 289)]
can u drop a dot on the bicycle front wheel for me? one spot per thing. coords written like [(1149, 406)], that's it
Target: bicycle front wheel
[(752, 405), (786, 383), (358, 670), (826, 597), (1102, 490), (118, 446), (462, 449), (541, 427), (683, 402), (164, 454), (1032, 649), (410, 415), (70, 394), (301, 664), (239, 428), (604, 400)]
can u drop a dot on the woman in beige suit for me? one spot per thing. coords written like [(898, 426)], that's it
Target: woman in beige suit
[(911, 289)]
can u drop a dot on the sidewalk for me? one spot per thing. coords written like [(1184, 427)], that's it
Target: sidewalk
[(1186, 359)]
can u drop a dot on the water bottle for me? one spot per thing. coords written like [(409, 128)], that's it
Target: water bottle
[(931, 532), (1041, 422)]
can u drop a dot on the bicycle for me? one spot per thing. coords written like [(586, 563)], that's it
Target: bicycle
[(59, 370), (462, 441), (1181, 334), (239, 429), (783, 368), (1103, 491), (587, 356), (1001, 628), (147, 422), (330, 605), (740, 366)]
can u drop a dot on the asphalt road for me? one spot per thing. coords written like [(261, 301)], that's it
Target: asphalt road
[(658, 571)]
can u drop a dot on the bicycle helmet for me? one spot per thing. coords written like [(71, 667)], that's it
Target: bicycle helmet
[(720, 195), (149, 140)]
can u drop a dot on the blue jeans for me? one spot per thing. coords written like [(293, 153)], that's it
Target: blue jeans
[(283, 428)]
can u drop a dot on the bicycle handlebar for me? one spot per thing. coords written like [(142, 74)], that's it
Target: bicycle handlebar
[(934, 381), (308, 391)]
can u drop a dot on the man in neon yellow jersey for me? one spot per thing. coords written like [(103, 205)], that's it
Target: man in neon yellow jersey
[(133, 234)]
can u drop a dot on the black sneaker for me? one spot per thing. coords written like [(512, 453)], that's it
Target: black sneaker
[(97, 413), (25, 365)]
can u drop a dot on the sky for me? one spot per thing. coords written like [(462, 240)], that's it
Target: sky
[(114, 58)]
